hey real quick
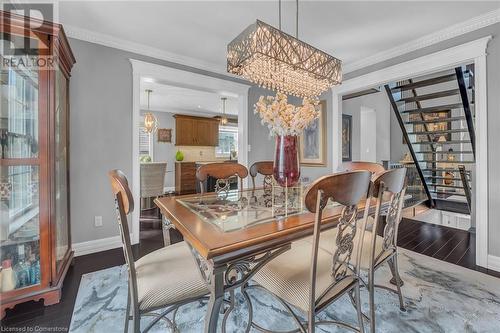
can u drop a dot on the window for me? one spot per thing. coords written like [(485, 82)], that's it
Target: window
[(145, 142), (228, 141)]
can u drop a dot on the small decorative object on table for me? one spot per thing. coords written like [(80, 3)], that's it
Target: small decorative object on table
[(286, 122), (287, 200)]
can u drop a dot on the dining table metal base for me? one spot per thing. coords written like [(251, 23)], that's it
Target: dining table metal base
[(224, 276)]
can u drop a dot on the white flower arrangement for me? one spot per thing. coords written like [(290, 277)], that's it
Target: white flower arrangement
[(283, 118)]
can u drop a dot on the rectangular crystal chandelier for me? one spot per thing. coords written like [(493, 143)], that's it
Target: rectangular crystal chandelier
[(275, 60)]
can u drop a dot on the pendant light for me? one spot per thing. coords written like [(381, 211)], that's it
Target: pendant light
[(150, 121), (223, 119), (275, 60)]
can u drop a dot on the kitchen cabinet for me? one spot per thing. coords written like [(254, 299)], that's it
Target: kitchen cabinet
[(196, 131), (185, 177), (35, 243)]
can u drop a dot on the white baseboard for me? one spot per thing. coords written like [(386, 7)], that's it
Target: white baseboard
[(97, 245), (494, 263)]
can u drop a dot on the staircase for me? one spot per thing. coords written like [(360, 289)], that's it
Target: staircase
[(436, 116)]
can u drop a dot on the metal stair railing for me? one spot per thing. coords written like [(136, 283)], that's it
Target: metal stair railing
[(466, 106), (410, 145)]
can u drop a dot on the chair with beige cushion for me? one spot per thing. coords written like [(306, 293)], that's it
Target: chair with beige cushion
[(374, 168), (311, 278), (164, 279), (388, 187)]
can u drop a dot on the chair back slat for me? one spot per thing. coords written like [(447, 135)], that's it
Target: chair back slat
[(374, 168), (264, 168), (345, 188), (221, 172)]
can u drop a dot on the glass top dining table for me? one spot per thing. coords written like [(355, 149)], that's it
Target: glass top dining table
[(234, 210)]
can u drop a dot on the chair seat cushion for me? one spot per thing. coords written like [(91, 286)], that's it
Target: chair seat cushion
[(288, 276), (167, 276), (327, 243)]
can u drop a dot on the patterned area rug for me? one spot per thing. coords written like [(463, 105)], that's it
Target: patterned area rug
[(440, 297)]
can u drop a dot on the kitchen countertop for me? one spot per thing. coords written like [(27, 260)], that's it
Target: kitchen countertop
[(207, 162)]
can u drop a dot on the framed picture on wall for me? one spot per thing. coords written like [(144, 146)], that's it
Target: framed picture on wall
[(346, 137), (165, 135), (313, 140)]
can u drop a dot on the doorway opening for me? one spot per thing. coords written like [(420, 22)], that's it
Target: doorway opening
[(189, 109), (426, 124)]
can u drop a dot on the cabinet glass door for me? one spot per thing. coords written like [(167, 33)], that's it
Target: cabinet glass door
[(61, 168), (19, 178)]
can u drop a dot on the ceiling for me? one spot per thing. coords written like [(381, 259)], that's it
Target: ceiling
[(201, 30), (185, 101)]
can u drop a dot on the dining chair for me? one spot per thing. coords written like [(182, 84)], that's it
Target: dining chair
[(164, 279), (152, 179), (264, 168), (307, 276), (222, 172), (374, 168), (388, 188)]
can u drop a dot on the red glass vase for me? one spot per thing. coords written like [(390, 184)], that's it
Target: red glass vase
[(286, 160)]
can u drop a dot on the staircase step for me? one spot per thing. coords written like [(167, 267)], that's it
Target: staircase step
[(442, 170), (441, 143), (433, 109), (443, 185), (446, 161), (436, 120), (438, 94), (458, 130), (444, 152), (442, 178), (448, 193), (428, 82)]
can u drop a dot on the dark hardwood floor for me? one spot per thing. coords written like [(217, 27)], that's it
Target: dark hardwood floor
[(451, 245)]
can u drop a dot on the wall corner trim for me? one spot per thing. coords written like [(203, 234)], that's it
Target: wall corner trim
[(447, 33), (97, 245), (494, 263)]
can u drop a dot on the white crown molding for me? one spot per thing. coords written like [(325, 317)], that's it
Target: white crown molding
[(138, 48), (452, 31)]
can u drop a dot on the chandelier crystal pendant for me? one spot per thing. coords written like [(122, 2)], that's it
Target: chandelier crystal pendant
[(223, 119), (150, 121), (276, 60)]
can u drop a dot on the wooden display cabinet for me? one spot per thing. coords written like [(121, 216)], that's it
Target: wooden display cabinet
[(35, 244)]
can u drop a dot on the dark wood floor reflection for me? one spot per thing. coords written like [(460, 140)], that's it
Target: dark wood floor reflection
[(452, 245)]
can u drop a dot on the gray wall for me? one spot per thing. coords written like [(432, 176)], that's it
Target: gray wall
[(493, 82), (398, 149), (101, 132), (380, 103)]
